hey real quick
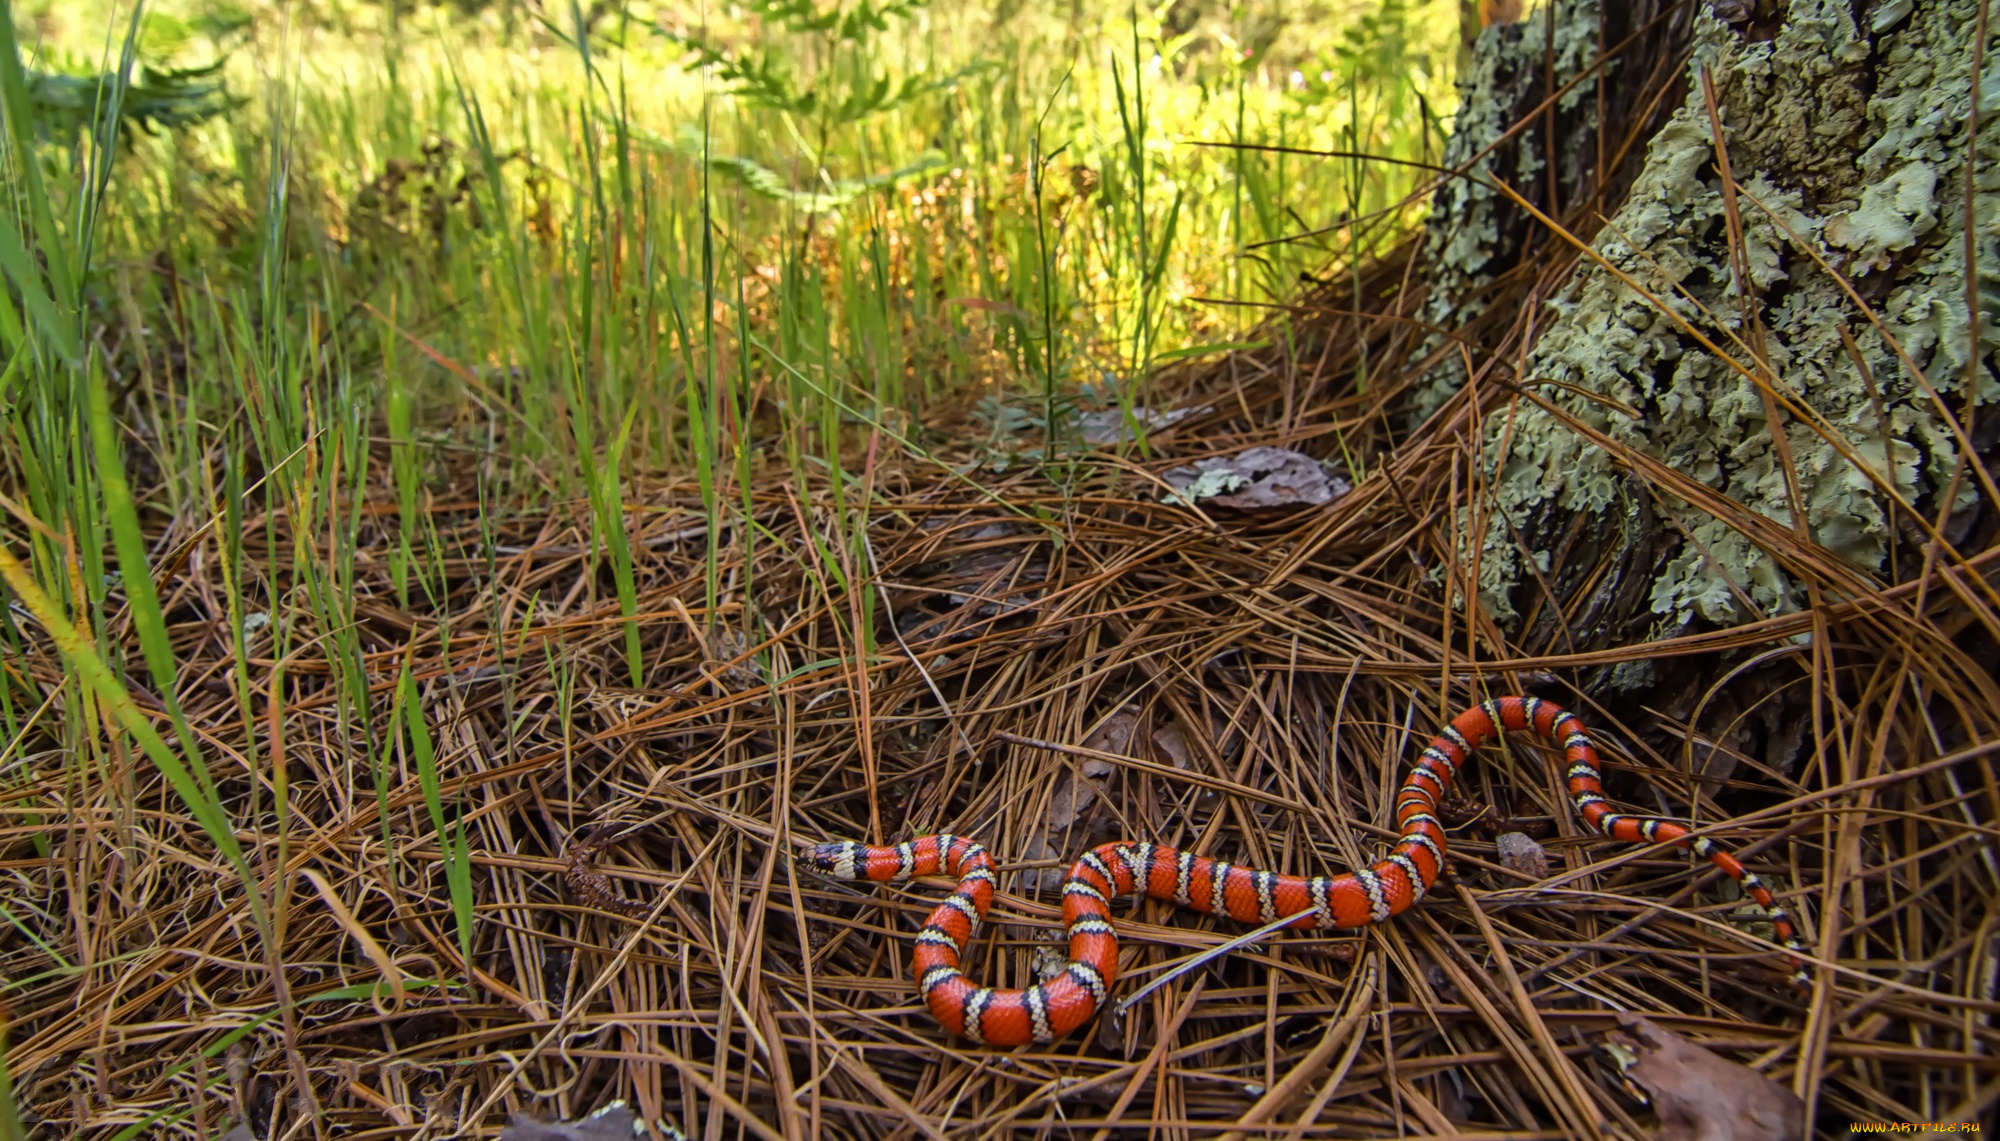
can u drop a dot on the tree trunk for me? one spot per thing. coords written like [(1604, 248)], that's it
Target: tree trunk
[(1474, 17), (1759, 386), (1507, 128)]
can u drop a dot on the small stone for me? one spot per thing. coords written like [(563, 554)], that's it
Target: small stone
[(1520, 853)]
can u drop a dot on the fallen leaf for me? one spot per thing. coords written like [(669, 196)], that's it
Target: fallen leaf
[(1700, 1095), (1077, 788), (1074, 792), (1520, 853), (974, 579), (995, 578), (1043, 879), (1108, 426), (1259, 478), (1086, 798), (615, 1122)]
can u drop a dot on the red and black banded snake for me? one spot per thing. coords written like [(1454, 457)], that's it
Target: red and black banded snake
[(1386, 888)]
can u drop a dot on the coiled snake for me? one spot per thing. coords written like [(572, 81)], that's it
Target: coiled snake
[(1386, 888)]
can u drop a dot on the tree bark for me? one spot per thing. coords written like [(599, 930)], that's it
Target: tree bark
[(1611, 71), (1755, 388)]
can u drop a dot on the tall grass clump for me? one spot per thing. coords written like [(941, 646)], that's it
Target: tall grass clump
[(86, 582)]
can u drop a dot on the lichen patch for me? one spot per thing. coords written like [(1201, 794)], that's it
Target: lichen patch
[(1850, 154)]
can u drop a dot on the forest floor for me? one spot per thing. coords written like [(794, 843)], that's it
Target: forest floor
[(421, 466)]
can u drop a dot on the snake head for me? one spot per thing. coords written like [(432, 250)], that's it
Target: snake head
[(837, 859)]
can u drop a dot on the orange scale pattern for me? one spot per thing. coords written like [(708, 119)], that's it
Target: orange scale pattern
[(1384, 889)]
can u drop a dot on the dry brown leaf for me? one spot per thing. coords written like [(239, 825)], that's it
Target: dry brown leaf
[(1114, 734), (981, 573), (1079, 784), (1078, 818), (1172, 746), (1043, 879), (1258, 478), (1051, 956), (1700, 1095), (1075, 791)]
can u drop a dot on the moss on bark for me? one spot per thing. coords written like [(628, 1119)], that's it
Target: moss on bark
[(1475, 233), (1851, 131)]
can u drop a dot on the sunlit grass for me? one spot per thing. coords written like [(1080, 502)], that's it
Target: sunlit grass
[(539, 195)]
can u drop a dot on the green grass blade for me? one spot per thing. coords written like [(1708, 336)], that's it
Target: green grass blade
[(83, 659), (10, 1113), (458, 879), (21, 134), (457, 865), (137, 573), (20, 268)]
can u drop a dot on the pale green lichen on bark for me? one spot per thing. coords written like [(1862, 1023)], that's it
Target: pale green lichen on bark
[(1874, 182), (1464, 233)]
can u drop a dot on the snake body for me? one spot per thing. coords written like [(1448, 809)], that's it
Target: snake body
[(1386, 888)]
